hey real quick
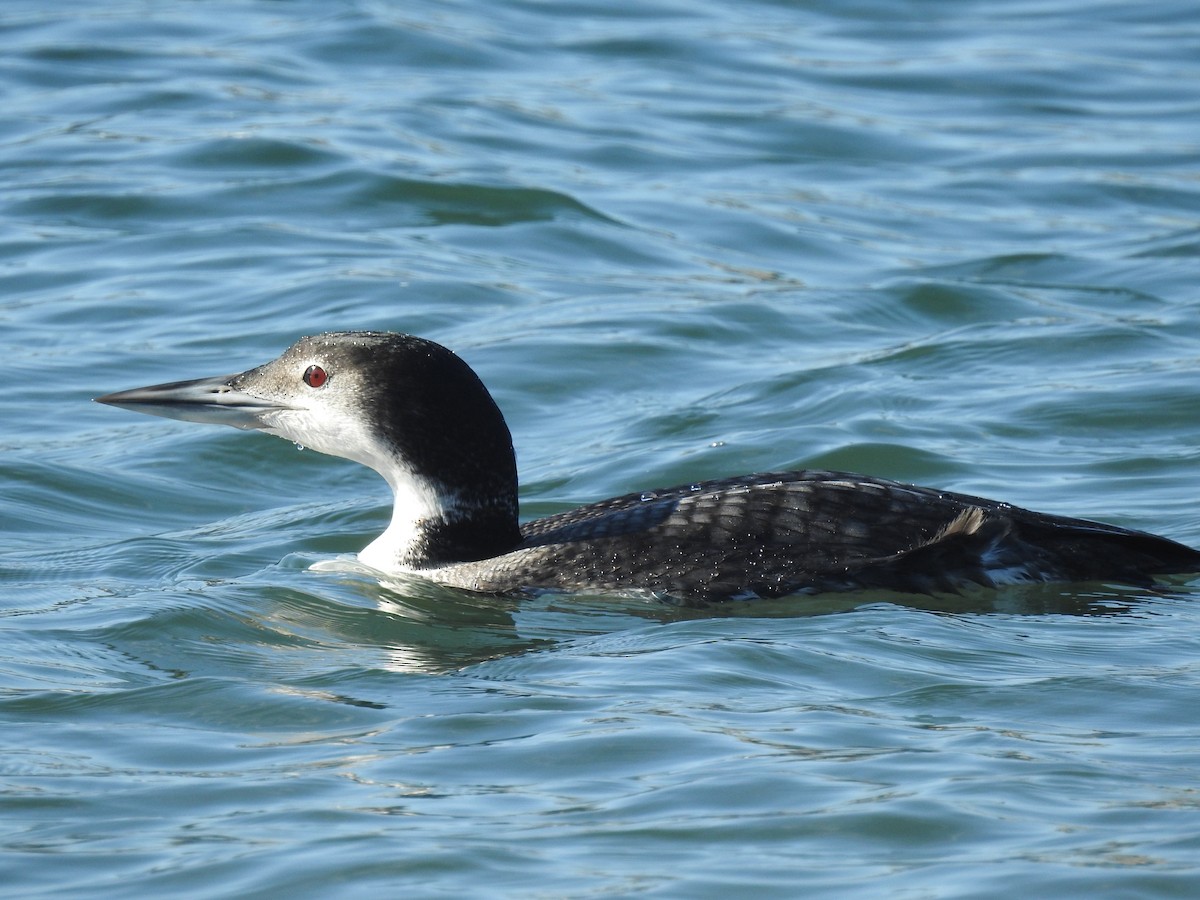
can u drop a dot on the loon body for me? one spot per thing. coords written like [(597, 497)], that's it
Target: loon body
[(419, 416)]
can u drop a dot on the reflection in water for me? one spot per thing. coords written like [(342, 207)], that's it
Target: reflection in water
[(431, 628), (425, 627)]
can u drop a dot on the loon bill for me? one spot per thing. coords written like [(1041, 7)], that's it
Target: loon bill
[(420, 417)]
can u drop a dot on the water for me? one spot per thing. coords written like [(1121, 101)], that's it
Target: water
[(948, 243)]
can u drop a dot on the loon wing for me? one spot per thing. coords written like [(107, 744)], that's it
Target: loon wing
[(787, 532)]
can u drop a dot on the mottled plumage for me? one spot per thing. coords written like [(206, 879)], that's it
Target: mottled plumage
[(813, 531)]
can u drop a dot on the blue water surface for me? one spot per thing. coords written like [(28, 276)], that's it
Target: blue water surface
[(954, 244)]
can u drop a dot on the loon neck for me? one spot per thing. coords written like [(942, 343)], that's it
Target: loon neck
[(433, 525)]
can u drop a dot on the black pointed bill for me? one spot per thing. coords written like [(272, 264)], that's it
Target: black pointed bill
[(210, 400)]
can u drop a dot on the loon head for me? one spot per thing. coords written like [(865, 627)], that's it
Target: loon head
[(404, 406)]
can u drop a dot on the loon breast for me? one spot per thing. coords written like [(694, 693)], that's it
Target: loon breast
[(417, 414)]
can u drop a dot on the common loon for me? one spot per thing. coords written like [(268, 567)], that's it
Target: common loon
[(419, 416)]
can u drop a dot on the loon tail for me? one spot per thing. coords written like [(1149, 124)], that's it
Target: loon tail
[(991, 549)]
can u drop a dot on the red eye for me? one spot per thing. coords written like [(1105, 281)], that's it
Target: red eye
[(315, 376)]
